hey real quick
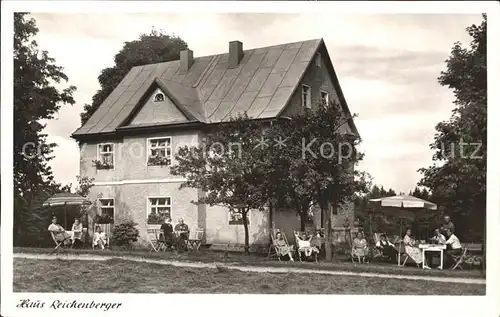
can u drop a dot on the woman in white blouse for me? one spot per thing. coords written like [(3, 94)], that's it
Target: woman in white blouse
[(411, 248)]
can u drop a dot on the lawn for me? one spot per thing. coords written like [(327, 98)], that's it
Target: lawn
[(206, 256), (120, 276)]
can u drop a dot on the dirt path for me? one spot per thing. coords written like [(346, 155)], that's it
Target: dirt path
[(257, 269)]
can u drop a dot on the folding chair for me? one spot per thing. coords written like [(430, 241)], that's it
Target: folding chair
[(303, 245), (195, 241), (459, 260), (58, 244), (401, 253), (155, 243), (273, 248)]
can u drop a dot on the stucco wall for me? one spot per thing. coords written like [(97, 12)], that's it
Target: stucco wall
[(158, 111), (130, 160), (219, 231), (131, 202)]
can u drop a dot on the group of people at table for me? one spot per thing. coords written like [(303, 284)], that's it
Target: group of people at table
[(445, 236), (169, 235)]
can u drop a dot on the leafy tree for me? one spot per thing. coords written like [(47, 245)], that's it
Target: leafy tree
[(155, 47), (457, 178), (229, 167), (35, 99), (323, 162)]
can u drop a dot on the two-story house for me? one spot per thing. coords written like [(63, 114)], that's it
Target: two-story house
[(129, 143)]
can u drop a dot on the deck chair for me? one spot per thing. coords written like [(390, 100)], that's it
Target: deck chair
[(459, 260), (402, 256), (305, 245), (273, 248), (58, 244), (155, 244), (360, 259)]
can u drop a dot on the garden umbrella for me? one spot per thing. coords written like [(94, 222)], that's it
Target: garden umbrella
[(65, 199), (404, 206)]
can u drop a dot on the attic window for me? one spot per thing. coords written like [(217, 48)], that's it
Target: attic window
[(159, 97), (306, 96), (317, 60)]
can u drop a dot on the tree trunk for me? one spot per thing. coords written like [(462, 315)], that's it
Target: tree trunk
[(328, 232), (244, 217), (303, 216)]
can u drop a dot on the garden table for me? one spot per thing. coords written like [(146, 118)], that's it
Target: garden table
[(432, 248)]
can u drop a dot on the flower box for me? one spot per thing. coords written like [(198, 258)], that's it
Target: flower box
[(102, 165)]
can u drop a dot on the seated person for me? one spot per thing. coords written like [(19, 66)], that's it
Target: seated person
[(453, 246), (167, 232), (438, 238), (386, 247), (360, 247), (100, 239), (77, 230), (182, 231), (317, 240), (411, 248), (60, 235), (283, 247), (304, 244)]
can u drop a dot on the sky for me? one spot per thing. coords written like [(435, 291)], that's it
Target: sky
[(387, 65)]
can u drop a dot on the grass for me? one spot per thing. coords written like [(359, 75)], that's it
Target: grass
[(121, 276), (206, 256)]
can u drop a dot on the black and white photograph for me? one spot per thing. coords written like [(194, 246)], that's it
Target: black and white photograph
[(178, 151)]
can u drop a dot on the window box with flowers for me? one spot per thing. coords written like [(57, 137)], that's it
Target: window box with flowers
[(159, 151), (158, 161), (105, 156), (102, 165)]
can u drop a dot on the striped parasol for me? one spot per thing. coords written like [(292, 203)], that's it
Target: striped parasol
[(404, 201), (403, 206), (66, 199)]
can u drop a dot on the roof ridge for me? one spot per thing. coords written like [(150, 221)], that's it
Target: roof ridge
[(225, 53)]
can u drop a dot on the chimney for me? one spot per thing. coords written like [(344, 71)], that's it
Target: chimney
[(186, 61), (235, 53)]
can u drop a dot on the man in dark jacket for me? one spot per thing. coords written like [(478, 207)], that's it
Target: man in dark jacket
[(167, 231)]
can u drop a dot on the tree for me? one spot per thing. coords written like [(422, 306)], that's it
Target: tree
[(35, 99), (323, 162), (457, 178), (229, 167), (155, 47)]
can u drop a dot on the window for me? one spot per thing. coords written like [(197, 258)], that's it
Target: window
[(159, 151), (306, 96), (317, 60), (105, 154), (159, 209), (235, 218), (324, 98), (159, 97), (107, 210)]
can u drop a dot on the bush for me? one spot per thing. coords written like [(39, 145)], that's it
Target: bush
[(125, 233)]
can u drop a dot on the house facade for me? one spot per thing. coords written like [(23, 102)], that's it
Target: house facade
[(129, 143)]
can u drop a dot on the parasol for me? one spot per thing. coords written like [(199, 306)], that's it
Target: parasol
[(65, 199), (405, 206)]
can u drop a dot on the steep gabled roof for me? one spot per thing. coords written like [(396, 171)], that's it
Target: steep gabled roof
[(210, 92)]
